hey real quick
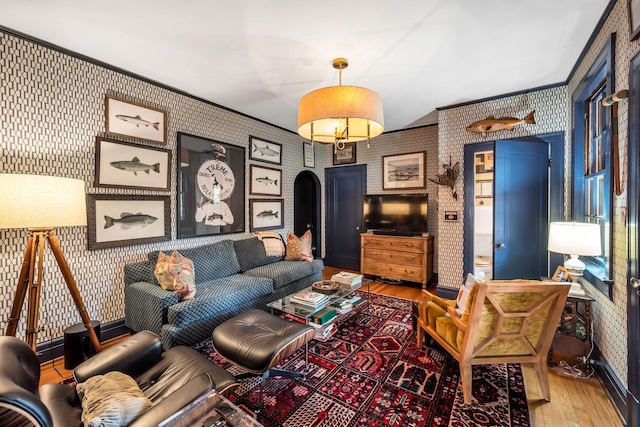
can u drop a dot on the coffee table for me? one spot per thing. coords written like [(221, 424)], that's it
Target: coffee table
[(305, 312), (209, 407)]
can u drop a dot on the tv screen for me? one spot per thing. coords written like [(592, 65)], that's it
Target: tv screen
[(399, 214)]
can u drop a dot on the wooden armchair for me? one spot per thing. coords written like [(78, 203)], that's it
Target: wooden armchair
[(505, 322)]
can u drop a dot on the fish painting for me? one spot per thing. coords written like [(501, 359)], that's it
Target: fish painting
[(134, 165), (138, 121), (265, 151), (268, 214), (128, 220), (491, 124), (267, 181)]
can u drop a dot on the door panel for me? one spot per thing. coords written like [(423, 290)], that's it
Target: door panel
[(345, 188), (521, 211)]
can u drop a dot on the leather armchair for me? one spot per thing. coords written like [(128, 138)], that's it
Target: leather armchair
[(170, 379)]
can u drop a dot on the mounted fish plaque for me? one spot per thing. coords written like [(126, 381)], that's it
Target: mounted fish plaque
[(491, 124)]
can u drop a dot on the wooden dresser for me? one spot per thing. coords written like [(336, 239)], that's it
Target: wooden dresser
[(397, 257)]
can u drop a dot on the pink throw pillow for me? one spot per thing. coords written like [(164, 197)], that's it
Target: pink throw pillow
[(299, 248), (176, 273)]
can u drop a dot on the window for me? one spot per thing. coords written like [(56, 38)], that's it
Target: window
[(592, 167)]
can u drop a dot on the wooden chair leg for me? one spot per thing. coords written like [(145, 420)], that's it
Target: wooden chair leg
[(466, 380), (543, 379), (420, 337)]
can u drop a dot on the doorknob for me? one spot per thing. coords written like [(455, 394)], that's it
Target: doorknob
[(499, 246), (357, 228), (635, 283)]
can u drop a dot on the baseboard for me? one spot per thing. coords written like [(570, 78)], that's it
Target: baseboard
[(54, 348), (446, 292), (617, 391)]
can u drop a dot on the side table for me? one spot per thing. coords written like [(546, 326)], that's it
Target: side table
[(574, 328)]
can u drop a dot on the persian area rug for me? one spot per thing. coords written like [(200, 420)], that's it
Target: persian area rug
[(371, 373)]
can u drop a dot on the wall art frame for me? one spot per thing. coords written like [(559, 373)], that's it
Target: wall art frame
[(125, 220), (266, 214), (346, 156), (265, 181), (265, 151), (210, 194), (404, 171), (309, 155), (125, 165), (133, 120), (561, 274), (633, 9)]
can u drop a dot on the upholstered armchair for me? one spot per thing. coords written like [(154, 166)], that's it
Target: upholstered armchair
[(504, 322)]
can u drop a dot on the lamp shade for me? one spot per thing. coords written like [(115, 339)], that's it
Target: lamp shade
[(36, 201), (575, 238), (329, 107)]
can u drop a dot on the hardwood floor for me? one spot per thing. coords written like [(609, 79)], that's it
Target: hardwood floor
[(574, 402)]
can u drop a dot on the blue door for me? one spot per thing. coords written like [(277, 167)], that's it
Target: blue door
[(521, 209), (345, 188)]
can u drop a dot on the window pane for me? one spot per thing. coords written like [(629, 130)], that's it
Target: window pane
[(600, 196)]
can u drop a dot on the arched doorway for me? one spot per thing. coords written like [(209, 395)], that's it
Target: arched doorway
[(306, 208)]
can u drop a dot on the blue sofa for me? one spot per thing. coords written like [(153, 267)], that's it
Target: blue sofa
[(232, 276)]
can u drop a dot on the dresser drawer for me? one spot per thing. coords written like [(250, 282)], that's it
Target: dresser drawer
[(393, 271), (394, 257), (407, 244)]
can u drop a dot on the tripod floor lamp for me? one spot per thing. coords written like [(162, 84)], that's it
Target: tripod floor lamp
[(40, 203)]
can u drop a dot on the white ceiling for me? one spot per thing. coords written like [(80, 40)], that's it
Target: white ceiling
[(260, 57)]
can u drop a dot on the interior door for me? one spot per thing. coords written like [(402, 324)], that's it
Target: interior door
[(345, 188), (306, 208), (521, 209)]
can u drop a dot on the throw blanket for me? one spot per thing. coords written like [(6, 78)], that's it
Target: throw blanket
[(273, 244)]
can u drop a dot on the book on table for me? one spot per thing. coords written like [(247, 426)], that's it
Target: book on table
[(311, 298), (347, 278)]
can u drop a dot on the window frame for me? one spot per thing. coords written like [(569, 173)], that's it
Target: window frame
[(597, 272)]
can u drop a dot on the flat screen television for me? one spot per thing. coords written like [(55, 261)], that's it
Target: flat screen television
[(395, 214)]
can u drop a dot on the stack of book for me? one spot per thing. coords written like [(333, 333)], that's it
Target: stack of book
[(310, 298), (326, 332), (346, 278), (342, 306), (323, 316)]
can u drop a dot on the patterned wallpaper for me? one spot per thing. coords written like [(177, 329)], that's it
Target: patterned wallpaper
[(611, 316), (550, 107), (51, 110)]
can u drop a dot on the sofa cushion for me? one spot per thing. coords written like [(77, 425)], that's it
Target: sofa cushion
[(210, 261), (251, 254), (218, 296), (299, 248), (176, 273), (284, 272)]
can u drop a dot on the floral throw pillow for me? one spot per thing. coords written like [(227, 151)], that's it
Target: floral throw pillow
[(176, 273), (299, 248), (463, 293)]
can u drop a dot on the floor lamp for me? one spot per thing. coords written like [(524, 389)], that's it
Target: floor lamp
[(40, 203)]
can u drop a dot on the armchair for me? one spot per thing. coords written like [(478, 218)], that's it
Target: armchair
[(170, 379), (510, 321)]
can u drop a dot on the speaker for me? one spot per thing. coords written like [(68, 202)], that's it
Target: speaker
[(77, 345)]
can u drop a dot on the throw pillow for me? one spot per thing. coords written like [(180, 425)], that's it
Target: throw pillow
[(273, 243), (113, 399), (463, 293), (176, 273), (299, 248)]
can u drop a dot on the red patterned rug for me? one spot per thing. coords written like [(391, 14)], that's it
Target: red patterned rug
[(370, 373)]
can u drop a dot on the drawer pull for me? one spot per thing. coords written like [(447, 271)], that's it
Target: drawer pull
[(408, 258)]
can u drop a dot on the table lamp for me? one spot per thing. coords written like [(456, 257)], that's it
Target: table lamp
[(40, 203), (575, 239)]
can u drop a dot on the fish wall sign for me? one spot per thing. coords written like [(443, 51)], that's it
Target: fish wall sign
[(491, 124), (449, 177)]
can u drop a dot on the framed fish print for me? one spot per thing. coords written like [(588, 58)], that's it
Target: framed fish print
[(404, 171), (266, 214), (265, 181), (127, 220), (265, 151), (210, 194), (309, 154), (125, 165), (133, 120)]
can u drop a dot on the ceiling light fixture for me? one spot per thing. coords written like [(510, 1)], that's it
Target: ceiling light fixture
[(340, 114)]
